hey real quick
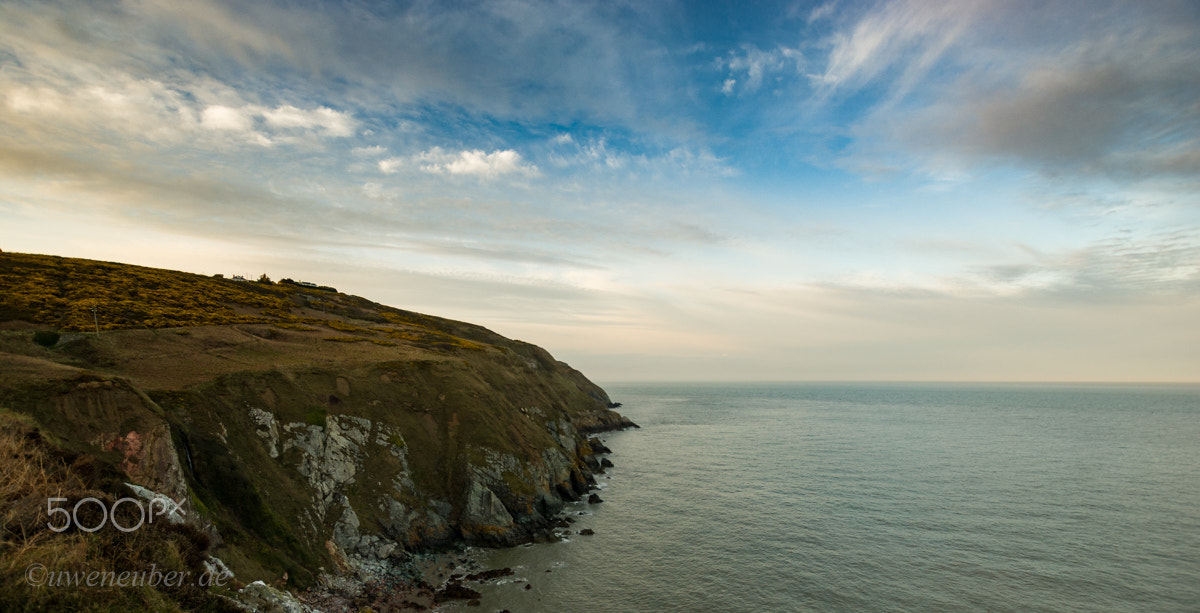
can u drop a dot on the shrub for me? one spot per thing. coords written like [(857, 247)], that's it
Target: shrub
[(316, 416), (46, 338)]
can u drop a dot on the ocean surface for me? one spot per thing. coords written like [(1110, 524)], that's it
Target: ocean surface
[(881, 497)]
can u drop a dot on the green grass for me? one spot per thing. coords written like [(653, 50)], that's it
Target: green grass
[(317, 416)]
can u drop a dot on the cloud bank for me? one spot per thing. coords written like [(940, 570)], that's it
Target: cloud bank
[(890, 189)]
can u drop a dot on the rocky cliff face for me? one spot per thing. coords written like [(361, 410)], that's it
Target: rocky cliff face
[(297, 453), (335, 468)]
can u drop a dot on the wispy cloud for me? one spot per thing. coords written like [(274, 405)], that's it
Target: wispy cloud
[(822, 11), (597, 154), (748, 66), (1111, 93), (651, 170), (126, 106), (266, 126), (475, 162), (391, 165), (910, 36), (1164, 264)]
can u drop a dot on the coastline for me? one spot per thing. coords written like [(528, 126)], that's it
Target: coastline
[(306, 433), (446, 579)]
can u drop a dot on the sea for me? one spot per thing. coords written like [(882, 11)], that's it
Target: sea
[(880, 497)]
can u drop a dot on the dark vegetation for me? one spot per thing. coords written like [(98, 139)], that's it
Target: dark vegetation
[(32, 469), (187, 355)]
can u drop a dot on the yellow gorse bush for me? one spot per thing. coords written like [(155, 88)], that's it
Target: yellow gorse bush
[(78, 295), (63, 292)]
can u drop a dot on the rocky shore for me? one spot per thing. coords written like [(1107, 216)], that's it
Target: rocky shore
[(324, 446), (408, 581)]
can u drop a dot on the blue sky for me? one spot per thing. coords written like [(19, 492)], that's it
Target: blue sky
[(903, 190)]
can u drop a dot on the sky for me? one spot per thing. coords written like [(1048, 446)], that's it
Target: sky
[(978, 190)]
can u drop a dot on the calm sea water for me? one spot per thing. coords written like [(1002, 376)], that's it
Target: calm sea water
[(883, 497)]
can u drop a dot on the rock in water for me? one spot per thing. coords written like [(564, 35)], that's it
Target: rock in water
[(456, 591)]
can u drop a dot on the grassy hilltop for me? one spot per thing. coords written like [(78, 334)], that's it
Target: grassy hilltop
[(304, 428), (75, 295)]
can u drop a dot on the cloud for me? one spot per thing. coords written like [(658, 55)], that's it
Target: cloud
[(1110, 92), (1085, 117), (214, 25), (226, 118), (475, 162), (322, 119), (61, 103), (908, 35), (390, 165), (598, 155), (266, 126), (517, 59), (369, 151), (1165, 263), (756, 64), (822, 11)]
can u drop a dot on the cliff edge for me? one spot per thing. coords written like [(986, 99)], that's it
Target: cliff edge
[(300, 428)]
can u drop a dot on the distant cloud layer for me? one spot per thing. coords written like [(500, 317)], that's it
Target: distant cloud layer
[(654, 183), (1110, 90)]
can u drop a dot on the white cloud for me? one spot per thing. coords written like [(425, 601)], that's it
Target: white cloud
[(597, 155), (821, 12), (564, 139), (756, 64), (285, 122), (390, 165), (227, 118), (322, 119), (369, 151), (910, 34), (475, 162), (978, 83), (197, 111)]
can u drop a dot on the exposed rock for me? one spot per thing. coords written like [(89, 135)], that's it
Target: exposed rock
[(159, 505), (316, 454), (592, 463), (484, 518), (217, 570), (602, 421), (597, 446), (267, 430), (455, 591), (345, 531), (417, 528), (594, 499), (266, 599), (488, 575)]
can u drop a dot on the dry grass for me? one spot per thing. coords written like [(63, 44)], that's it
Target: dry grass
[(80, 296), (32, 470)]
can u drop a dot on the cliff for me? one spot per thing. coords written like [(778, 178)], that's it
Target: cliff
[(301, 428)]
